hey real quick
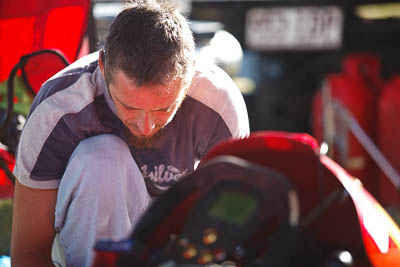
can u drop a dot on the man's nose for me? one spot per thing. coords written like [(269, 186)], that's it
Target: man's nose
[(146, 123)]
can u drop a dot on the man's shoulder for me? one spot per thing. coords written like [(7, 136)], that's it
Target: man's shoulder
[(214, 90), (80, 80), (80, 70), (213, 87), (210, 75)]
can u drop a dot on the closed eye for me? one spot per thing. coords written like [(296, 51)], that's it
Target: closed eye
[(129, 108), (162, 110)]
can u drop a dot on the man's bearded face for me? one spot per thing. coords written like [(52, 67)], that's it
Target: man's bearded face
[(146, 109)]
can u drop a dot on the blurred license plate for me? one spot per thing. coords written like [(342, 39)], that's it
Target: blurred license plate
[(298, 28)]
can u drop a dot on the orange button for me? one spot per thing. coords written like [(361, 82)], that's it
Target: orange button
[(205, 257), (210, 236), (189, 252)]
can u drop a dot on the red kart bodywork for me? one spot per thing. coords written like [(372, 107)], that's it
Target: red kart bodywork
[(381, 235), (297, 156)]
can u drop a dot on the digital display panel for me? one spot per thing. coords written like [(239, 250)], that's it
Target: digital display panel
[(233, 207)]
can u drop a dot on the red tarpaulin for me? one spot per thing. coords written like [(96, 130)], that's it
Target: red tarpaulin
[(29, 26)]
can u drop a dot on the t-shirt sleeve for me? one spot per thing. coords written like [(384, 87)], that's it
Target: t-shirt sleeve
[(229, 119), (51, 133)]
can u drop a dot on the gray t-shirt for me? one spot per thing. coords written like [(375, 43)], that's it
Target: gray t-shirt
[(75, 104)]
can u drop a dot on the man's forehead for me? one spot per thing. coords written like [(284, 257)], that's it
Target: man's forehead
[(168, 89)]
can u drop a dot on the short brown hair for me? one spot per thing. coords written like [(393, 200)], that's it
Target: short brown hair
[(150, 41)]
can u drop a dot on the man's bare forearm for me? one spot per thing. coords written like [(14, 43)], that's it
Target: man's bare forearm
[(31, 260)]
